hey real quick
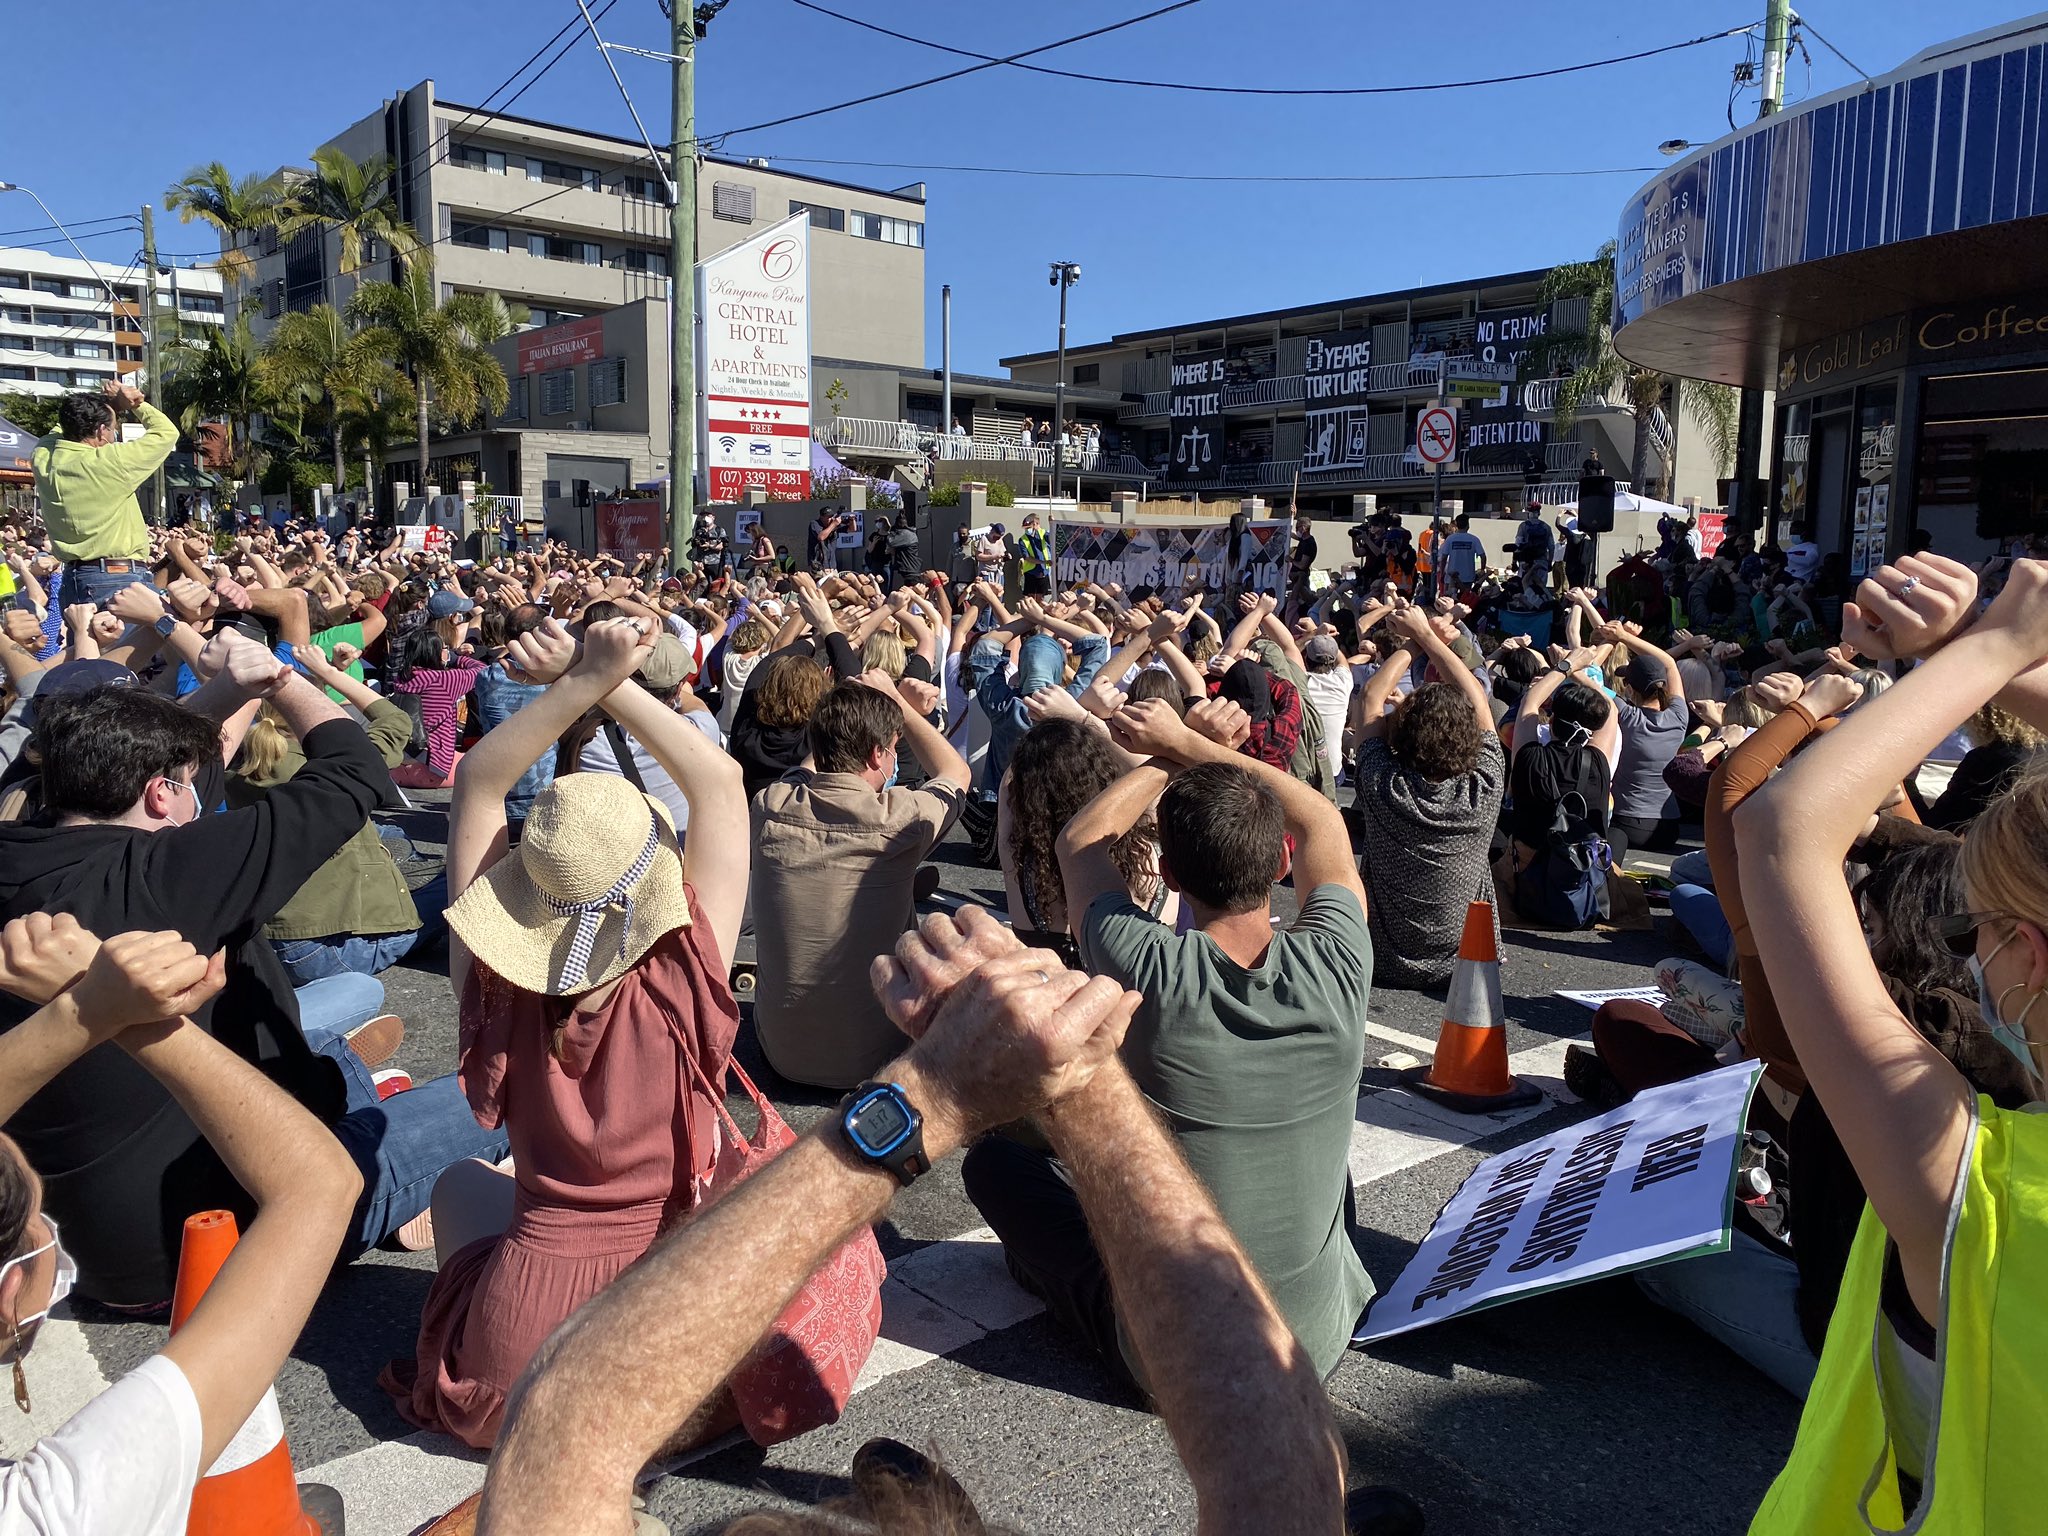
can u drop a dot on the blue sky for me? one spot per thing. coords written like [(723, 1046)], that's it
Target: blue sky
[(99, 121)]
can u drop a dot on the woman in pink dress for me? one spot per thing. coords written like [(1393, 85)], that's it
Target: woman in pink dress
[(596, 1023)]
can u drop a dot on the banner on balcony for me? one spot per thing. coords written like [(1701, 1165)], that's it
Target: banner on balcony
[(1174, 561), (754, 303), (1336, 375), (1499, 430), (1196, 411)]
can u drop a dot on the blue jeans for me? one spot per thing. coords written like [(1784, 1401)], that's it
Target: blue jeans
[(1693, 869), (90, 584), (401, 1144), (1699, 909), (1748, 1299), (310, 960)]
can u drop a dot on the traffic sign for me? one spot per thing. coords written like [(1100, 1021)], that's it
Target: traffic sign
[(1436, 435), (1473, 389)]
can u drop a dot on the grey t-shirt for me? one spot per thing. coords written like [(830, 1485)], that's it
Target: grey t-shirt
[(1425, 857), (1257, 1071), (1650, 738), (597, 757)]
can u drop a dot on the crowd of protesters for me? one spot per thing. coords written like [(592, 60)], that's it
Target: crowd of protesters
[(1152, 1068)]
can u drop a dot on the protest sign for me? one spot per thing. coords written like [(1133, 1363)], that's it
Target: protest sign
[(1594, 999), (1173, 560), (1195, 409), (1646, 1183), (1336, 375)]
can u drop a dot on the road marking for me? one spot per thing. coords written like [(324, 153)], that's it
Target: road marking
[(63, 1376)]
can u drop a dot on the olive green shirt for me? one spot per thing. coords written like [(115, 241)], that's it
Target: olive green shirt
[(1257, 1072), (360, 890), (88, 493)]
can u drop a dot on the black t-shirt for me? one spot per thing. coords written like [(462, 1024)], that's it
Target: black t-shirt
[(1549, 773), (1304, 556), (122, 1165)]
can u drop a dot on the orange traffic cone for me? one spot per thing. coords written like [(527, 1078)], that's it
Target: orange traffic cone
[(251, 1489), (1470, 1072)]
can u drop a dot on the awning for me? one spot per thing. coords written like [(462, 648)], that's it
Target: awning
[(15, 448)]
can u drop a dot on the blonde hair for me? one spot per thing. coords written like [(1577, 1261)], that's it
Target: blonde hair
[(751, 636), (1744, 710), (2004, 862), (265, 745), (1994, 726), (884, 649)]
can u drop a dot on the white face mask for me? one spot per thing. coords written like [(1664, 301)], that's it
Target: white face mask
[(2013, 1036), (60, 1285)]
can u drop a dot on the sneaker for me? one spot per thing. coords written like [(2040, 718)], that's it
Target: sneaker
[(417, 1235), (390, 1081), (1586, 1075), (377, 1041)]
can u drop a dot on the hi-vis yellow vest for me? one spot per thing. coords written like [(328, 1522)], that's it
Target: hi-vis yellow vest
[(1992, 1355)]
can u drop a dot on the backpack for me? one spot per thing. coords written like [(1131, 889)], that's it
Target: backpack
[(416, 745), (1565, 885)]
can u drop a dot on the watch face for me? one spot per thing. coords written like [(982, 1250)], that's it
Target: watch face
[(880, 1122)]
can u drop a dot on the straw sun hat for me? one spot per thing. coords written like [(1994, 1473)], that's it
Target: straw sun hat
[(596, 881)]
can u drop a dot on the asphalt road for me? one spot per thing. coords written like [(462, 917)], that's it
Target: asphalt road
[(1587, 1410)]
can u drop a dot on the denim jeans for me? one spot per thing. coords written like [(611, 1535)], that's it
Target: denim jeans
[(1748, 1299), (1693, 869), (310, 960), (90, 584), (400, 1144), (1699, 909)]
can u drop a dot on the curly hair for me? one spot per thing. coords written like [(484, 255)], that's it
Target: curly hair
[(788, 690), (1058, 767), (1434, 732)]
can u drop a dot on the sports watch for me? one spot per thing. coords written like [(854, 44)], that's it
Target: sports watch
[(883, 1127), (166, 625)]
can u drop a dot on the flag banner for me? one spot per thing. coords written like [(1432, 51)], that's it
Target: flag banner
[(1196, 408), (1644, 1184), (1336, 375), (1174, 561)]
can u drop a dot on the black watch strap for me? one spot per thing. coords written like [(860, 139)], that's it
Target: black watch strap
[(906, 1159)]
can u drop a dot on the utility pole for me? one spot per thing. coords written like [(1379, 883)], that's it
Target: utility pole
[(682, 262), (1064, 275), (151, 349), (1750, 508)]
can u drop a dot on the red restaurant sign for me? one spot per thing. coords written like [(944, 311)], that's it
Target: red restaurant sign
[(562, 346), (629, 529)]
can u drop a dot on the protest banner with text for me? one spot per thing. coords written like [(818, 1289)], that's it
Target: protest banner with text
[(1175, 560)]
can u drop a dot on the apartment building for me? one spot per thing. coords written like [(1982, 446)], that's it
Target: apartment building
[(572, 224), (68, 325), (1325, 397)]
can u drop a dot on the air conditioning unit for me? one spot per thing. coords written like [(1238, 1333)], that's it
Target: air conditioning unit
[(581, 425)]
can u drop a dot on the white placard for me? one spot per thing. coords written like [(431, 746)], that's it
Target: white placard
[(1593, 1000), (1651, 1181)]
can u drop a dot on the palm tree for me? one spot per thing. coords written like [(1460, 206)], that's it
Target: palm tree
[(236, 207), (1595, 369), (354, 199), (219, 377), (312, 357), (444, 347)]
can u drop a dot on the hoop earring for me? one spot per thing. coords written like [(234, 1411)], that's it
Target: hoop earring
[(20, 1376)]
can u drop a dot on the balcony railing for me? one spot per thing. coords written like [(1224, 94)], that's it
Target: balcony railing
[(1539, 398), (1274, 391), (865, 435)]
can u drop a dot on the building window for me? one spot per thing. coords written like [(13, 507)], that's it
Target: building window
[(555, 248), (476, 159), (731, 200), (480, 237), (608, 381), (49, 285), (1087, 373), (636, 260), (12, 280), (19, 375), (200, 303), (647, 188), (821, 216), (558, 392), (875, 226), (515, 400), (17, 344)]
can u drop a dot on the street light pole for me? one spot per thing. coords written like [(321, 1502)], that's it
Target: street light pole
[(682, 278), (1064, 275)]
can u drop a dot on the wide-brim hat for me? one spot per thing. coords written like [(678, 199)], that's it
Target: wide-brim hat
[(596, 882)]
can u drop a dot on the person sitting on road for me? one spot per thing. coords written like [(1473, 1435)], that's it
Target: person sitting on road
[(599, 744), (590, 965), (128, 842), (769, 733), (355, 914), (129, 1459), (1558, 791), (497, 697), (1250, 1040), (2001, 745), (1650, 712), (1059, 766), (1001, 1032), (1923, 1412), (427, 665), (1429, 783), (838, 848)]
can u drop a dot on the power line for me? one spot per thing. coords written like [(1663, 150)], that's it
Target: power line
[(75, 225), (1267, 90), (717, 140), (1018, 170), (1802, 23)]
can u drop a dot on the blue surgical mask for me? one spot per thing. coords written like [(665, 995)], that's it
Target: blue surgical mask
[(2011, 1036), (60, 1286)]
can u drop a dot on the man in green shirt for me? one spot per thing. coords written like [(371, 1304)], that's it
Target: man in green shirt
[(1250, 1041), (86, 478)]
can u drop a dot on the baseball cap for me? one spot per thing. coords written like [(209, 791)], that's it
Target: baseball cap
[(1322, 651), (75, 677), (996, 529), (668, 665), (446, 603), (1644, 673)]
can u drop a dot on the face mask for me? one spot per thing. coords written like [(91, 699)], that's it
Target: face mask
[(2012, 1036), (191, 789), (60, 1286)]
